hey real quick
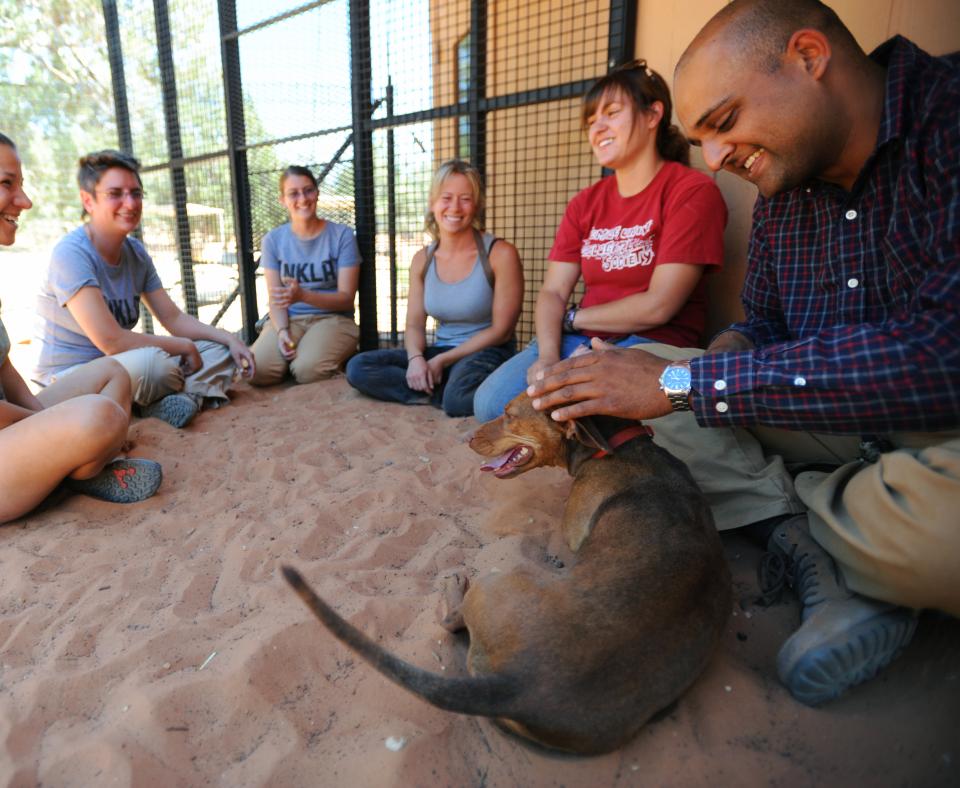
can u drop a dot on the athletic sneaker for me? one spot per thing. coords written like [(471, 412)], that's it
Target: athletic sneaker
[(177, 410), (844, 639), (121, 481)]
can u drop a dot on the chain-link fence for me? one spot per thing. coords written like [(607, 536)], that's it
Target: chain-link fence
[(217, 97)]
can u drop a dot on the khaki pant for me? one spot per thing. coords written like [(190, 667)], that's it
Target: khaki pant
[(892, 526), (324, 343), (154, 373)]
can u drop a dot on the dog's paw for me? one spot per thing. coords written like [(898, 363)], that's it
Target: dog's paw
[(449, 610)]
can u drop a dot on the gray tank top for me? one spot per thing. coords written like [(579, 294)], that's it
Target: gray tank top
[(462, 308)]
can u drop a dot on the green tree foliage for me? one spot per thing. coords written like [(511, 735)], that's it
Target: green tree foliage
[(56, 100)]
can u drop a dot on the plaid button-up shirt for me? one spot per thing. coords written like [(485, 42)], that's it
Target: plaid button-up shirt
[(853, 298)]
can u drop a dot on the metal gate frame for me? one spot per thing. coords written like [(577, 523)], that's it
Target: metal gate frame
[(620, 48)]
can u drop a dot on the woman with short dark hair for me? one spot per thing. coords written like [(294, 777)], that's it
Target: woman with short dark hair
[(90, 301)]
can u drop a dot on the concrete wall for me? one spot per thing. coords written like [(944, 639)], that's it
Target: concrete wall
[(665, 27)]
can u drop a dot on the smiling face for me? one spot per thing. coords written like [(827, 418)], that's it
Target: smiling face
[(775, 130), (456, 204), (114, 207), (13, 200), (619, 134), (299, 196), (520, 440)]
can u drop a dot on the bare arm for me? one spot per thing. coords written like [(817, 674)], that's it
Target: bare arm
[(19, 402), (278, 314), (558, 284), (101, 328), (507, 303), (182, 325), (419, 377), (670, 288)]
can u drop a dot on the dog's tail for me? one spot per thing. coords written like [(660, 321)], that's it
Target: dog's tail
[(486, 696)]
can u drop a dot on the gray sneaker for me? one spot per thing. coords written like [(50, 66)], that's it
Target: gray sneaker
[(121, 481), (844, 638), (177, 410)]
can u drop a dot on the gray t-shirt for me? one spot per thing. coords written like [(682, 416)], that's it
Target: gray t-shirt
[(314, 263), (462, 308), (74, 264)]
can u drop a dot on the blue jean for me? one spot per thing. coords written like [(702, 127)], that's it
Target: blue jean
[(511, 378), (382, 374)]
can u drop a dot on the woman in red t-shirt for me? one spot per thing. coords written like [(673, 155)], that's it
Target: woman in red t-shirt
[(641, 239)]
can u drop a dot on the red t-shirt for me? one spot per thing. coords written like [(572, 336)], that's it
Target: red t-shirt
[(678, 218)]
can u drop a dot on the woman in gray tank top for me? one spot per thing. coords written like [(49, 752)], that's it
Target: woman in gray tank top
[(471, 284), (72, 430)]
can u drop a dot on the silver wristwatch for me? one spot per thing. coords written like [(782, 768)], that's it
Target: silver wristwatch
[(675, 382)]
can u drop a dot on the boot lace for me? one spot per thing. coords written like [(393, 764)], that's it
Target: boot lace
[(772, 577), (777, 571)]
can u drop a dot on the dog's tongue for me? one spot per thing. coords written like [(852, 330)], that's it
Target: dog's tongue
[(498, 462)]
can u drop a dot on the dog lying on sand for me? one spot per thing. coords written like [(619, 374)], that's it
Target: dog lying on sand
[(578, 655)]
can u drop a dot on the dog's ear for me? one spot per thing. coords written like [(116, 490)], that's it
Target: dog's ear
[(585, 431)]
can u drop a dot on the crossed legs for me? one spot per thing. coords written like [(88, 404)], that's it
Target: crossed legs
[(81, 428)]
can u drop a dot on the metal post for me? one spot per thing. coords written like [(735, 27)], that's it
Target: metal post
[(392, 216), (622, 32), (171, 116), (477, 92), (363, 169), (239, 174), (111, 25)]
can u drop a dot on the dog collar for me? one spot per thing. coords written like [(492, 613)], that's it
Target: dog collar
[(618, 439)]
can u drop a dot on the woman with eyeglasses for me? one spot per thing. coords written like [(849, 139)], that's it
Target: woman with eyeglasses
[(641, 239), (72, 430), (471, 283), (312, 268), (90, 301)]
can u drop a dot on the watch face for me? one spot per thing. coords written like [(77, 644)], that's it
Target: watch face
[(676, 379)]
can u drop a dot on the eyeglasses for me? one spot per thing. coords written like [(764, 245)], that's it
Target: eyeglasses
[(117, 195), (296, 194)]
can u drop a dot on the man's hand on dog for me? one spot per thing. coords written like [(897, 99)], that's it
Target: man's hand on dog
[(612, 381)]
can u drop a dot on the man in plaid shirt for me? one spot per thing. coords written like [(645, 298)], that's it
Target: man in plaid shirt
[(852, 331)]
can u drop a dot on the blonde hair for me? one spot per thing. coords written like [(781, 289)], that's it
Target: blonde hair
[(444, 171)]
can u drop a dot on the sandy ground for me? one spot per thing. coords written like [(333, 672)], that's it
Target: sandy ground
[(156, 644)]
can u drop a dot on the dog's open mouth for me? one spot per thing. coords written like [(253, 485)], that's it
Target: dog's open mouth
[(508, 462)]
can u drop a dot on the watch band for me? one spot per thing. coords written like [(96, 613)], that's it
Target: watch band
[(679, 397), (679, 400), (568, 317)]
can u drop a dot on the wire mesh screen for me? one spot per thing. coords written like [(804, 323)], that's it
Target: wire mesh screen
[(371, 95), (498, 82)]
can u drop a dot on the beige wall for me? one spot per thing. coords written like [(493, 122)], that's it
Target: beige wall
[(665, 27)]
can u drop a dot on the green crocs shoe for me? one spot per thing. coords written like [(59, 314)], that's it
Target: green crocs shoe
[(177, 410), (121, 481)]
